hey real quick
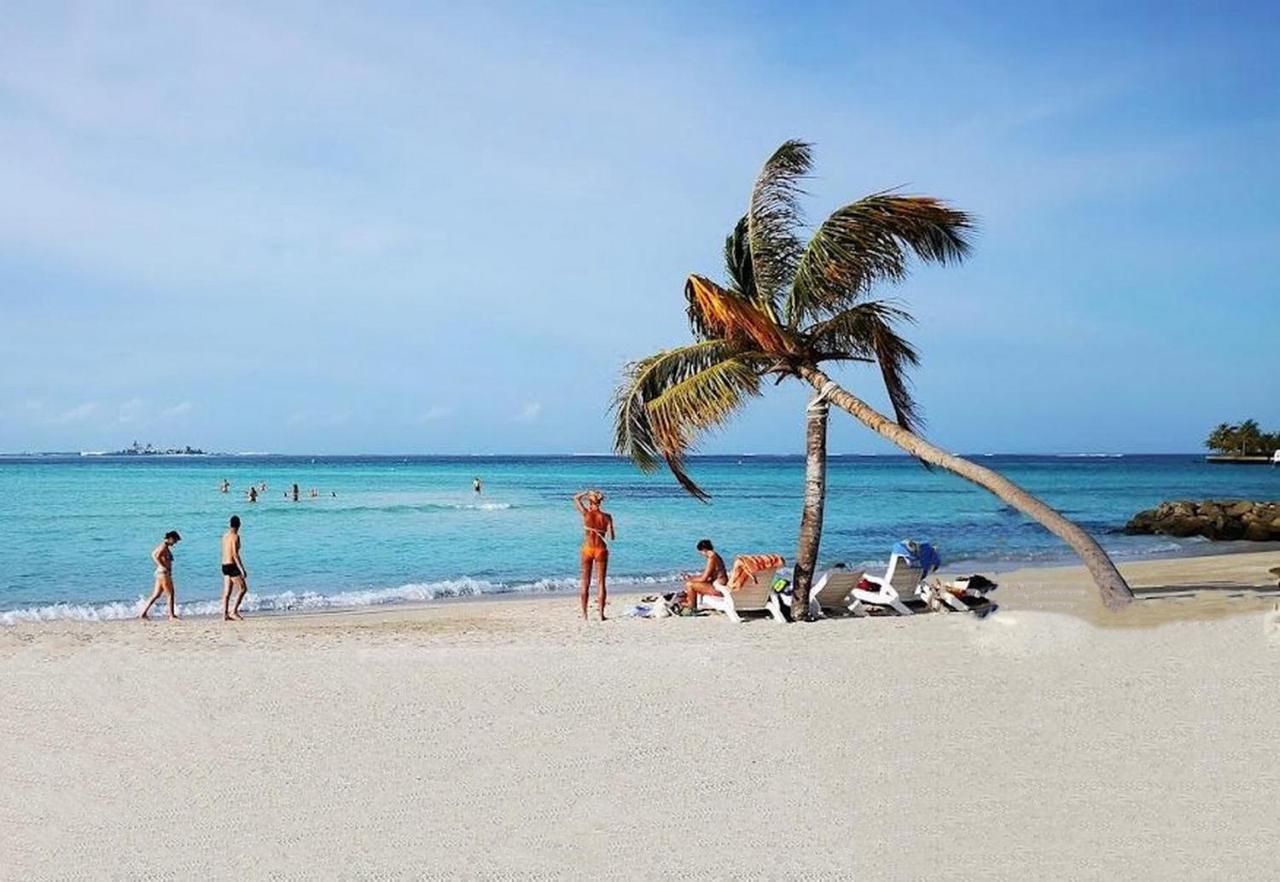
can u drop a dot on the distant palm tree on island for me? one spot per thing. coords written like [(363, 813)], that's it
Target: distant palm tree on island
[(791, 307), (1244, 439), (136, 449)]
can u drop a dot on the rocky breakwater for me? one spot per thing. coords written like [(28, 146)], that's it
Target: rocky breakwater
[(1213, 519)]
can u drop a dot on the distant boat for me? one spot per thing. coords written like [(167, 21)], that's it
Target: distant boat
[(1275, 458)]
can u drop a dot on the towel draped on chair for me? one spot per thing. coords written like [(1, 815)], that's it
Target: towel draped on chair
[(919, 554), (747, 565)]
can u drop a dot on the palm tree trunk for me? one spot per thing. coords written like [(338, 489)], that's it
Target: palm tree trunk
[(815, 494), (1115, 591)]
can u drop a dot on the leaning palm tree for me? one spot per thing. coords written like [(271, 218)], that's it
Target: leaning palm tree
[(789, 308)]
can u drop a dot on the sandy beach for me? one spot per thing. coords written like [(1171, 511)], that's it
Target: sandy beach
[(509, 740)]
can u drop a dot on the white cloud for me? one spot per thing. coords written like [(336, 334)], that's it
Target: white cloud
[(530, 412), (180, 409)]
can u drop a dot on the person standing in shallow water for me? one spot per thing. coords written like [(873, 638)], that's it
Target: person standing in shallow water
[(162, 555), (477, 486), (598, 525), (234, 575)]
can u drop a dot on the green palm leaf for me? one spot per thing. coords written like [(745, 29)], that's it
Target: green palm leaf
[(645, 380), (870, 241), (737, 259), (702, 401), (867, 331), (666, 400), (773, 218)]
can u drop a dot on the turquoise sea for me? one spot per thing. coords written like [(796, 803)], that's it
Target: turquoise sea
[(78, 530)]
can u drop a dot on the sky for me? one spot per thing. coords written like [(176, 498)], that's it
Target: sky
[(444, 228)]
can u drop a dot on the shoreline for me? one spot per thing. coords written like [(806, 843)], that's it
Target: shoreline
[(395, 534), (1062, 587)]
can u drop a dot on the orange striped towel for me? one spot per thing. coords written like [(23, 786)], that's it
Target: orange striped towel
[(747, 565)]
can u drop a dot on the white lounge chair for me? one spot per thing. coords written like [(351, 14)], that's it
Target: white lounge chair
[(900, 583), (755, 596), (833, 591)]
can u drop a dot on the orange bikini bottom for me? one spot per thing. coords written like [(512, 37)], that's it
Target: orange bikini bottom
[(595, 552)]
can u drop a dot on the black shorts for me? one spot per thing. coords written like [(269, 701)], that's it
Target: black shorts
[(232, 570)]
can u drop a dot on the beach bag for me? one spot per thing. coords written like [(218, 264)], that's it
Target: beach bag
[(978, 582)]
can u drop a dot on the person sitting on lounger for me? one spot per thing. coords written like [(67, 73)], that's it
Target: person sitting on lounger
[(705, 582)]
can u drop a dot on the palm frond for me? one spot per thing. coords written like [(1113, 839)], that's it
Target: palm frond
[(702, 324), (852, 331), (773, 218), (719, 313), (870, 241), (702, 401), (737, 259), (742, 283), (697, 404), (645, 380), (867, 331), (659, 405)]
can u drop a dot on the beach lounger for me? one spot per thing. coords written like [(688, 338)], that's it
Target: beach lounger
[(958, 593), (757, 595), (834, 591), (749, 589), (900, 583)]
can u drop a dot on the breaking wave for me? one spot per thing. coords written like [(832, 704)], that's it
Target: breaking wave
[(314, 601)]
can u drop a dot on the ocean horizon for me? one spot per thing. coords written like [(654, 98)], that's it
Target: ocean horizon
[(387, 528), (256, 454)]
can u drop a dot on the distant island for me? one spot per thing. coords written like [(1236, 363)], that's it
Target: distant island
[(1242, 443), (136, 449)]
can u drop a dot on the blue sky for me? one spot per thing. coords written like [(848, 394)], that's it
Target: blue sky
[(412, 227)]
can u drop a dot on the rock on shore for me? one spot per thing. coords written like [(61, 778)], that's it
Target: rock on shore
[(1213, 519)]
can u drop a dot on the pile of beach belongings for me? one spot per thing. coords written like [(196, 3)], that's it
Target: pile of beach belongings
[(966, 593)]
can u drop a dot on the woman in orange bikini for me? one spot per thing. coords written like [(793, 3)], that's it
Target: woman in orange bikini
[(598, 525)]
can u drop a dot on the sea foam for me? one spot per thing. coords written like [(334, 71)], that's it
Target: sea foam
[(315, 601)]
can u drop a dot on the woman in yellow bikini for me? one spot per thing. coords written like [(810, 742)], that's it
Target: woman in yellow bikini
[(598, 525)]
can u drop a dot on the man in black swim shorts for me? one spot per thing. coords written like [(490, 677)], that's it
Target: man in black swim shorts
[(234, 574)]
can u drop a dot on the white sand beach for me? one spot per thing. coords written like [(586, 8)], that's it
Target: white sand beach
[(509, 740)]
